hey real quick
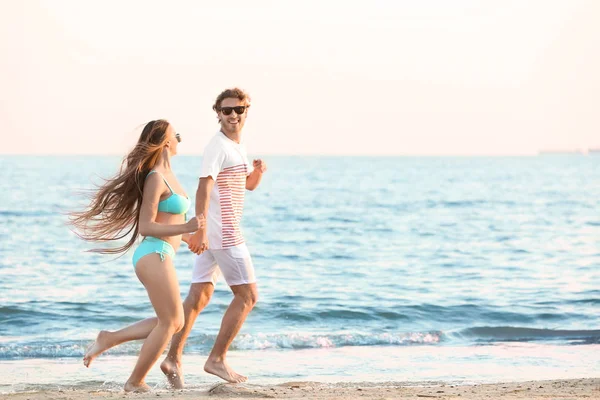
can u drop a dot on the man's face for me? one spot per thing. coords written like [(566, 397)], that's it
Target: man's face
[(234, 122)]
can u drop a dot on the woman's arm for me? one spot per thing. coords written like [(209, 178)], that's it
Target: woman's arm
[(198, 242), (153, 188)]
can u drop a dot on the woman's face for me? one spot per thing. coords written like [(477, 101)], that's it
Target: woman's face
[(173, 140)]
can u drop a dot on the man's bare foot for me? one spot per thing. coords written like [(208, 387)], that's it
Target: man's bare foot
[(222, 370), (101, 344), (172, 370), (136, 388)]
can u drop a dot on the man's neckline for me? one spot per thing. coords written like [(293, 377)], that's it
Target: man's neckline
[(231, 140)]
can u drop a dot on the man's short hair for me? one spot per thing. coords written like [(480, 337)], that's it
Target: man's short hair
[(234, 93)]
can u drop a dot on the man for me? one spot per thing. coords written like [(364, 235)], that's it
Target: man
[(220, 247)]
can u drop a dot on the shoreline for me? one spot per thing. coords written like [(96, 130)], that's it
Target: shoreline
[(327, 369), (539, 389)]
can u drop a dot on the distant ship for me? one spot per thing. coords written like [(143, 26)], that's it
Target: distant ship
[(592, 151), (546, 152)]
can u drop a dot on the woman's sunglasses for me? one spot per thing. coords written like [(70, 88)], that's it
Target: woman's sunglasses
[(238, 110), (178, 137)]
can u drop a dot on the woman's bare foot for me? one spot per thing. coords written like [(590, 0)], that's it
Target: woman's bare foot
[(137, 388), (172, 370), (222, 370), (101, 344)]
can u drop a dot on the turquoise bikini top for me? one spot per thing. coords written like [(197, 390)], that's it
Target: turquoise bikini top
[(175, 203)]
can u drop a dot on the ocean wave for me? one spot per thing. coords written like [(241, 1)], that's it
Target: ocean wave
[(518, 334), (25, 213), (307, 341), (203, 343), (455, 204), (36, 313), (41, 350), (61, 350), (338, 314), (14, 316)]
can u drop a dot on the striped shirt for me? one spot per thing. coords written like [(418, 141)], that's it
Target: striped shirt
[(227, 163)]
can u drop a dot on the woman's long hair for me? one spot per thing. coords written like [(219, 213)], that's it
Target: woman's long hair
[(115, 207)]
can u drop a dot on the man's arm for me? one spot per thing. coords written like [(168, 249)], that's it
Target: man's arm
[(198, 242), (253, 180)]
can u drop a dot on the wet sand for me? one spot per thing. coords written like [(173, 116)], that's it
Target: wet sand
[(552, 389)]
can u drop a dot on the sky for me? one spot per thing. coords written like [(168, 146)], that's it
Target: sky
[(326, 77)]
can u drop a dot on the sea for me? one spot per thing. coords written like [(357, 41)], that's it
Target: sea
[(459, 270)]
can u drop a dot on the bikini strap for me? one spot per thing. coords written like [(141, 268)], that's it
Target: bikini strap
[(161, 175)]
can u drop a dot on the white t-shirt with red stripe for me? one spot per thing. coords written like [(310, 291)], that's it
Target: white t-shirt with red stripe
[(227, 163)]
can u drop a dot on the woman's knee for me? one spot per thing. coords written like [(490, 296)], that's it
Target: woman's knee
[(174, 322), (180, 322)]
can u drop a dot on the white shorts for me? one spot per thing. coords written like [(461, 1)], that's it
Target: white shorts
[(234, 263)]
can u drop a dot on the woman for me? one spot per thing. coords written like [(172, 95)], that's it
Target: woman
[(146, 199)]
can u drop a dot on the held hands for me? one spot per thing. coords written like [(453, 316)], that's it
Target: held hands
[(196, 223), (198, 242), (259, 165)]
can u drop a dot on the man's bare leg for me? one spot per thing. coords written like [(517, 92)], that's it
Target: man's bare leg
[(196, 300), (245, 297)]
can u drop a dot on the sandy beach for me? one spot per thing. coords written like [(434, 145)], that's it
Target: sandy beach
[(552, 389)]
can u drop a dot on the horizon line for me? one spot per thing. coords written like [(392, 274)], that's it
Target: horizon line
[(539, 153)]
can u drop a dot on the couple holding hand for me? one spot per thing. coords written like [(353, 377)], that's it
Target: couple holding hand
[(146, 199)]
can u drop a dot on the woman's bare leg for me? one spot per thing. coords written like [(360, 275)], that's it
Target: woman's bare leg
[(107, 339), (196, 300), (160, 279)]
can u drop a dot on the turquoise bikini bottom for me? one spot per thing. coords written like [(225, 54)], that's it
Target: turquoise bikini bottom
[(153, 245)]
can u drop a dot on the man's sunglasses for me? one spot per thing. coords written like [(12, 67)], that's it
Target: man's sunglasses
[(238, 110), (178, 137)]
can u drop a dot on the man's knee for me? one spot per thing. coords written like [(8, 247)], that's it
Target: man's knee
[(248, 293), (253, 298), (200, 294)]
